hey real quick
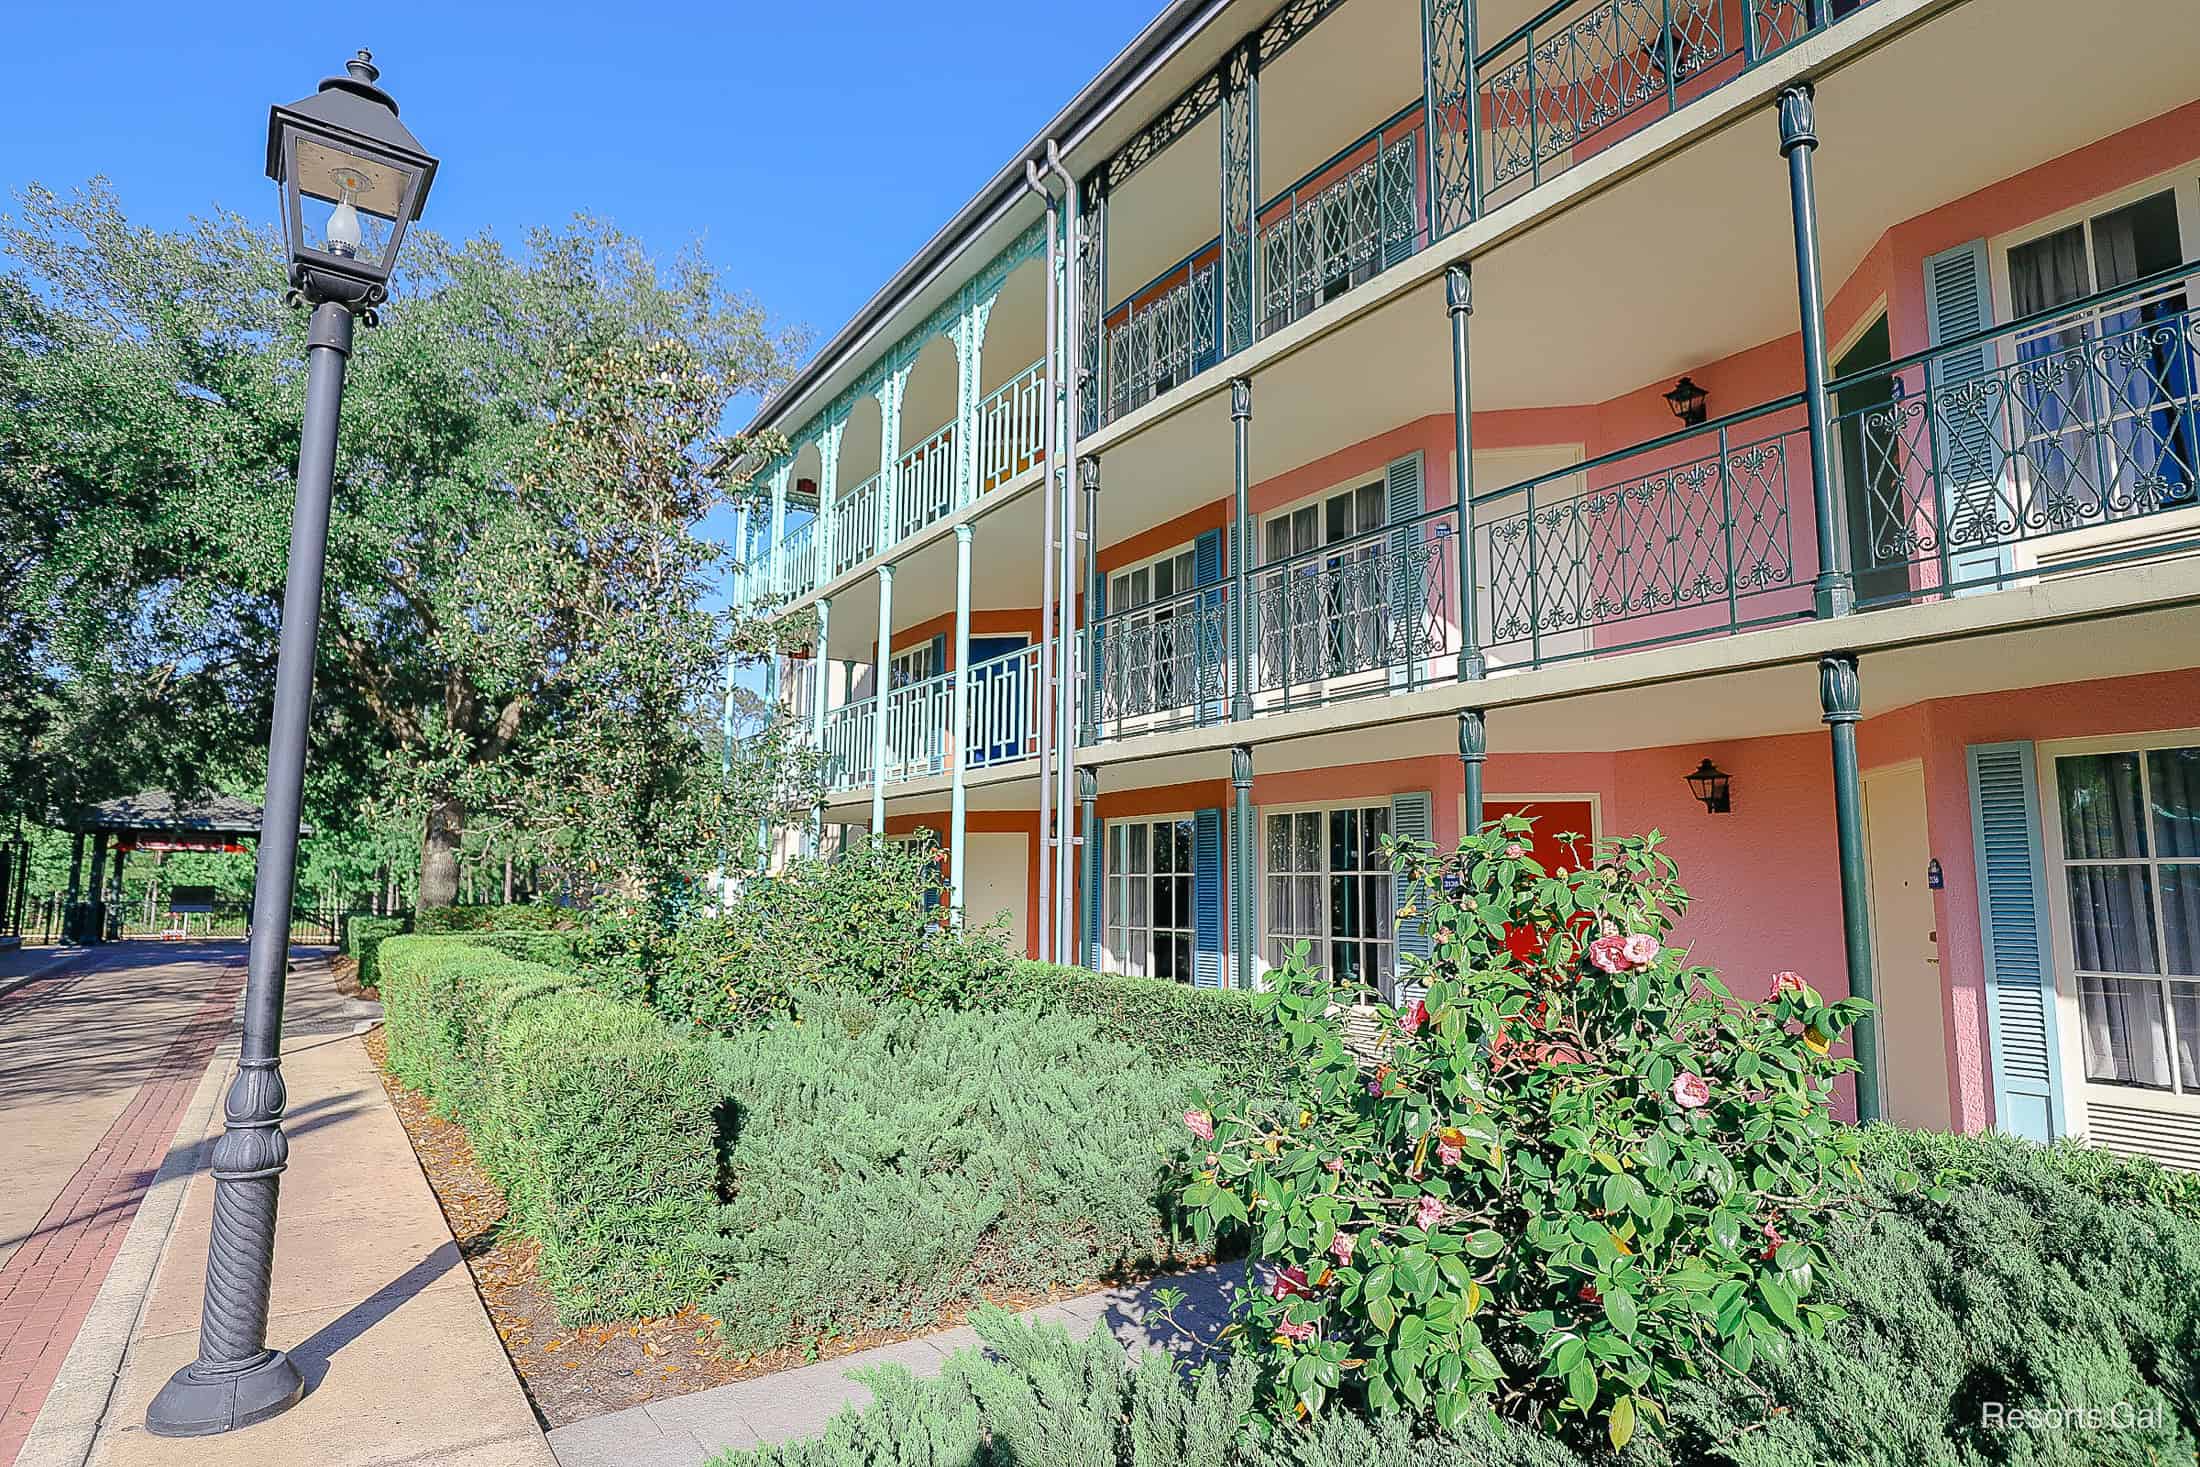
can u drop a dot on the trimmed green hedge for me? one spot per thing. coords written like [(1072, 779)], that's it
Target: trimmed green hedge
[(518, 917), (560, 950), (1179, 1026), (596, 1120), (2038, 1278), (363, 936)]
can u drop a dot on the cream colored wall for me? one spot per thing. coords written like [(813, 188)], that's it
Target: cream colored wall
[(994, 872)]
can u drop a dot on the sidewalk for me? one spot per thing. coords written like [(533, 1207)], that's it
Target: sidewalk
[(685, 1431), (370, 1296)]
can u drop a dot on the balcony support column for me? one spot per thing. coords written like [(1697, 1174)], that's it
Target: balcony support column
[(879, 696), (1088, 475), (778, 531), (1240, 546), (970, 360), (1236, 311), (1242, 852), (1841, 697), (958, 808), (1450, 44), (771, 701), (828, 479), (1474, 752), (1834, 591), (818, 708), (889, 396), (1088, 838), (1459, 301)]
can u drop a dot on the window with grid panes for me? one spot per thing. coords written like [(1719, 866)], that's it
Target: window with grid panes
[(1332, 606), (2131, 887), (1329, 888), (1148, 931), (1155, 647)]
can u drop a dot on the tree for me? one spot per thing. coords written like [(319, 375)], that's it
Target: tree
[(153, 384)]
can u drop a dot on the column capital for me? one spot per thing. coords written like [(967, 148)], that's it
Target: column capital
[(1241, 766), (965, 532), (1798, 117), (1474, 735), (1241, 397), (1088, 783), (1839, 692), (1088, 473), (1459, 289)]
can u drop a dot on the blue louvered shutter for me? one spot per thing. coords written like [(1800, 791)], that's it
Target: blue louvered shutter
[(1410, 819), (1966, 441), (1403, 505), (1210, 639), (1207, 898), (2012, 906)]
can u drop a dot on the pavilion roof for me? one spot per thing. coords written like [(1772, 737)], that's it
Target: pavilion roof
[(159, 812)]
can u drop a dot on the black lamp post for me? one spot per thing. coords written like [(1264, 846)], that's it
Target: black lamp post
[(345, 148)]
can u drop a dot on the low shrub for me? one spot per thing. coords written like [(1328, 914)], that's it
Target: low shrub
[(2043, 1277), (560, 950), (363, 938), (512, 917), (888, 1160), (1178, 1027), (597, 1120), (1581, 1172)]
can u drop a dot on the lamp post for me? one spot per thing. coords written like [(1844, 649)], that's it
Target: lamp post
[(345, 148)]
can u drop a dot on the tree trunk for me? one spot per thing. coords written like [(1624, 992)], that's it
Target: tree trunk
[(439, 854)]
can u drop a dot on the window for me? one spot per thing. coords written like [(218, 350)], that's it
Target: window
[(1149, 903), (1156, 656), (2130, 875), (1328, 887), (912, 666), (2112, 433), (1322, 615)]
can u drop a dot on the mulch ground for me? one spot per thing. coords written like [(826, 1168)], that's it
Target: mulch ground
[(573, 1374)]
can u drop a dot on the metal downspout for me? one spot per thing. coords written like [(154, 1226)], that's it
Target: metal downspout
[(1047, 951)]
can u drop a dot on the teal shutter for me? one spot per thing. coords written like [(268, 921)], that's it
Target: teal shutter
[(1410, 819), (1096, 888), (1210, 641), (2012, 906), (1207, 898), (1966, 445), (1403, 505)]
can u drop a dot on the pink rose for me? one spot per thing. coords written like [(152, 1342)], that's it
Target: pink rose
[(1296, 1333), (1449, 1152), (1514, 850), (1427, 1213), (1200, 1124), (1609, 952), (1335, 1165), (1291, 1282), (1412, 1019), (1773, 1240), (1341, 1246), (1691, 1092), (1641, 949), (1787, 985)]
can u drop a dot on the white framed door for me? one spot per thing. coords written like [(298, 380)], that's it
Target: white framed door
[(1913, 1036)]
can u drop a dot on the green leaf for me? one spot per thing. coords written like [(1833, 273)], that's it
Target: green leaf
[(1581, 1384), (1619, 1308), (1620, 1425)]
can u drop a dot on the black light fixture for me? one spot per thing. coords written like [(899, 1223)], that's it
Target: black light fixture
[(1687, 401), (1711, 785), (344, 147)]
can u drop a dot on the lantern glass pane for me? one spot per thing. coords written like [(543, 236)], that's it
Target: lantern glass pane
[(325, 178)]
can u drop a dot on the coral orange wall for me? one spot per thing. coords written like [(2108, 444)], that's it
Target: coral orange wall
[(989, 822)]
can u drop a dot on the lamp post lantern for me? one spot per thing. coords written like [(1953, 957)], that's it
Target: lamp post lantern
[(344, 148)]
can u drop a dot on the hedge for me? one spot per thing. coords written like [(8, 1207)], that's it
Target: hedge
[(516, 917), (1180, 1027), (2038, 1278), (363, 936), (595, 1118), (560, 950)]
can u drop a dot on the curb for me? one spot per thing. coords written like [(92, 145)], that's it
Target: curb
[(69, 1422)]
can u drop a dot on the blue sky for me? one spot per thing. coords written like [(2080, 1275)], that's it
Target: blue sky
[(810, 147)]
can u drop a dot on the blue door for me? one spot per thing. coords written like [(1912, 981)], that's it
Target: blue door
[(1001, 695)]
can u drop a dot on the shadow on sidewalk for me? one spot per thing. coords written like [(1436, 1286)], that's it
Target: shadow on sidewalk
[(313, 1353)]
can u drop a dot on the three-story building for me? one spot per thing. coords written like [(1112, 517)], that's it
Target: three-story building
[(1771, 422)]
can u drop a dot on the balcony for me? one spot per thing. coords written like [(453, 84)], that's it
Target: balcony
[(2064, 442), (1003, 725)]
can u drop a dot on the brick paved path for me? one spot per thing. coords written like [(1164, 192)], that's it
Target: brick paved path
[(79, 1038)]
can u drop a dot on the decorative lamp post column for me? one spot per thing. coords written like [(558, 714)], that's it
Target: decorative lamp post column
[(344, 148)]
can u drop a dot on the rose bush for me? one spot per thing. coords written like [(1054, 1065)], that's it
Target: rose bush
[(1575, 1171)]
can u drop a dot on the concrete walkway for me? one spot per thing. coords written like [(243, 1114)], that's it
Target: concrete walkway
[(685, 1431), (370, 1295)]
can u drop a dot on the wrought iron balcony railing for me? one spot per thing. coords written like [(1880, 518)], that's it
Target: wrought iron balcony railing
[(1168, 332), (1347, 220), (920, 722)]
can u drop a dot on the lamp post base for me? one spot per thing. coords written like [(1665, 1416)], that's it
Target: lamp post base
[(203, 1400)]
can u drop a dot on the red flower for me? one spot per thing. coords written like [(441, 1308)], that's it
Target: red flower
[(1787, 985), (1412, 1019), (1589, 1294), (1290, 1283)]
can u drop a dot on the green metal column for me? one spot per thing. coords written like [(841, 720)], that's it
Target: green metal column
[(1459, 300), (1088, 474), (1236, 310), (958, 816), (878, 693), (819, 708), (1088, 833), (1833, 593), (1452, 105), (1240, 547), (1842, 699), (1242, 848), (1474, 751)]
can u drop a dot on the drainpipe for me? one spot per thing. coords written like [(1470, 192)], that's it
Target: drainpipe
[(1058, 483), (1047, 953)]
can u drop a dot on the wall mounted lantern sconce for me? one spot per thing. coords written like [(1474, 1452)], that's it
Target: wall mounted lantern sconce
[(1688, 402), (1713, 786)]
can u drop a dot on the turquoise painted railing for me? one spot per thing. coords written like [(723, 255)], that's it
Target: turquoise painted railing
[(924, 487), (1011, 428), (855, 525), (920, 724)]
